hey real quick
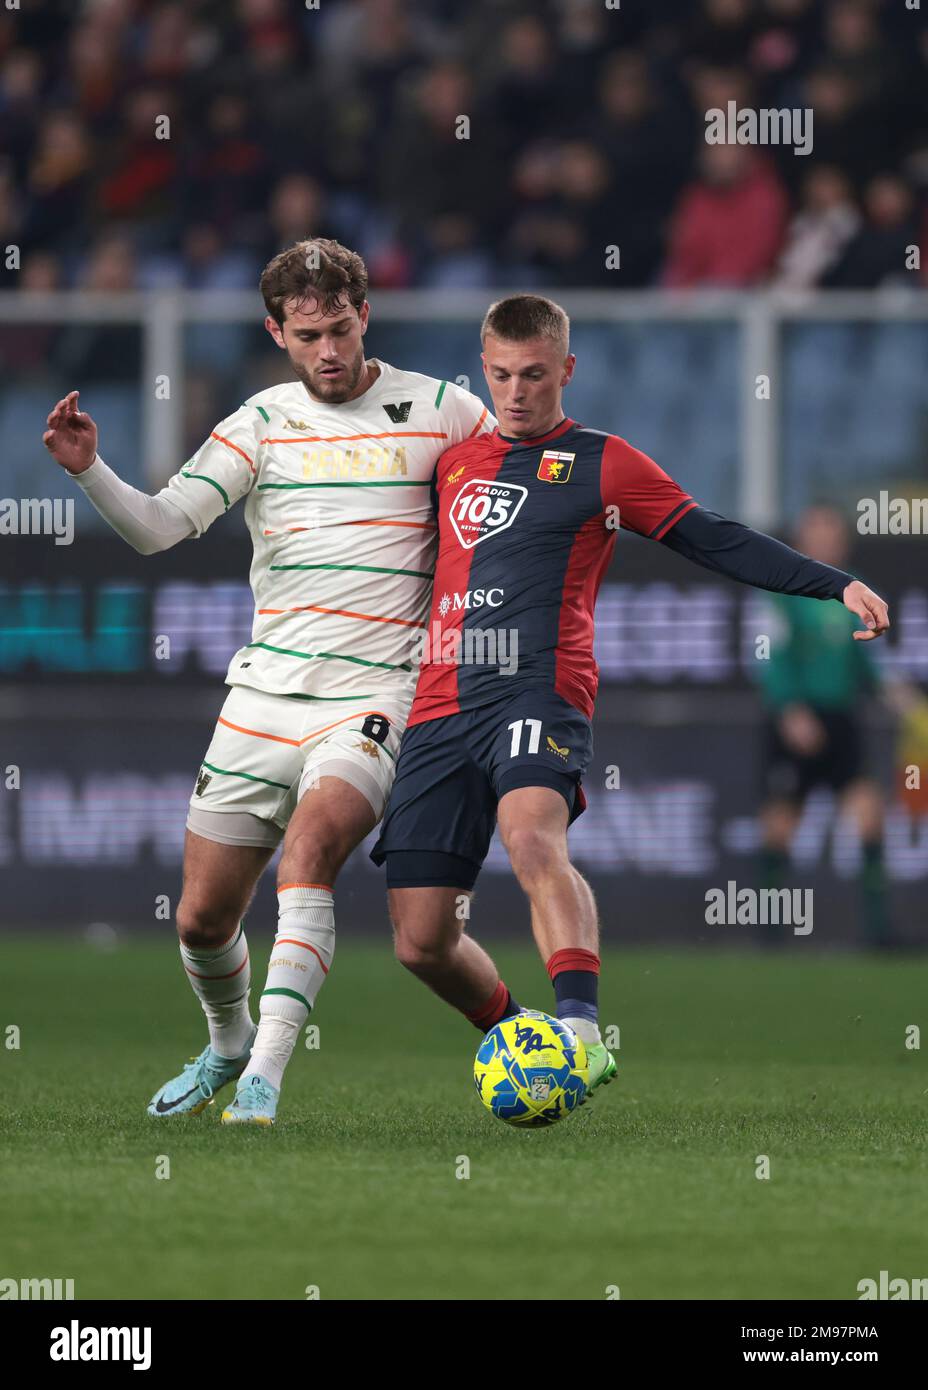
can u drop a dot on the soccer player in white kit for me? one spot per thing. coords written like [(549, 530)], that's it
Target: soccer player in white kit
[(336, 471)]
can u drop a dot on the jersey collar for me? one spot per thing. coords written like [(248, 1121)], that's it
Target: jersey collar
[(558, 430)]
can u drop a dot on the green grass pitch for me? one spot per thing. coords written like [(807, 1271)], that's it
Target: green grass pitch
[(651, 1187)]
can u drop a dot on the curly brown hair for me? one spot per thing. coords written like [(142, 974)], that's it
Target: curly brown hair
[(319, 268)]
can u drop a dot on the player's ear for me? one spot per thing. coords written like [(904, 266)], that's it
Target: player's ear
[(275, 330), (364, 314), (570, 362)]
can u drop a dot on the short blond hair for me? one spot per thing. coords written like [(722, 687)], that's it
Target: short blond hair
[(525, 316)]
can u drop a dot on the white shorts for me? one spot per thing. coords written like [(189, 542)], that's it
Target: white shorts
[(268, 750)]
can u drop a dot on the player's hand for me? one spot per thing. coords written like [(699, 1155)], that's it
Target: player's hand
[(869, 606), (801, 730), (71, 437)]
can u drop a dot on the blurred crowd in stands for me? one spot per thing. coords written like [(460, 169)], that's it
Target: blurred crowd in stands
[(586, 130)]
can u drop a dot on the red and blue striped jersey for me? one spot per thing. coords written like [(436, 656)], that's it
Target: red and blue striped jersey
[(526, 532)]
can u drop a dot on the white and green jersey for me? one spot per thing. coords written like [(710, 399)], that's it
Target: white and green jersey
[(339, 509)]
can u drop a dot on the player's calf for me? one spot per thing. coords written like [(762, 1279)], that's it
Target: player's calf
[(300, 961), (332, 817), (220, 976), (430, 942)]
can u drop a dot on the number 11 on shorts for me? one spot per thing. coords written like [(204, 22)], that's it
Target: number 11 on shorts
[(534, 737)]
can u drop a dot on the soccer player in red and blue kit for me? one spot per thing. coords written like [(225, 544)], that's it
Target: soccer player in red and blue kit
[(500, 724)]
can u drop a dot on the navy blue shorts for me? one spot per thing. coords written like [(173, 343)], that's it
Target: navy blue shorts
[(452, 772)]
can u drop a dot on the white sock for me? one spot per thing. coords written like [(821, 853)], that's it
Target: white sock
[(586, 1030), (221, 979), (300, 960)]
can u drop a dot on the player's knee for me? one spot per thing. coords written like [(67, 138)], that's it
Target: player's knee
[(307, 859), (205, 924), (534, 853), (420, 953)]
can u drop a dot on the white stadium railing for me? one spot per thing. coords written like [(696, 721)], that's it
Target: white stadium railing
[(162, 316)]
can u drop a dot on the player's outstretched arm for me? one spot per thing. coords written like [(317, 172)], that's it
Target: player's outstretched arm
[(751, 557), (148, 524)]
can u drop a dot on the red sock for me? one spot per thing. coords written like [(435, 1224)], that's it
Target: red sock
[(499, 1005), (573, 958), (575, 976)]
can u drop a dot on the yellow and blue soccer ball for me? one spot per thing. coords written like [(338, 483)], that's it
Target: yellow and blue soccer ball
[(531, 1069)]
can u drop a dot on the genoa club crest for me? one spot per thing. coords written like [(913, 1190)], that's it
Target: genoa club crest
[(555, 467)]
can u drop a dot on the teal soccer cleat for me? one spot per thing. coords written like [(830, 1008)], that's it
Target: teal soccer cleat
[(193, 1090), (255, 1103)]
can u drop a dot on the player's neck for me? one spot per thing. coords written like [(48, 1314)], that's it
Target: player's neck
[(368, 376)]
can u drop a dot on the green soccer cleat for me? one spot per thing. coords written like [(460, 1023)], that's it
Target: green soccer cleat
[(193, 1090), (255, 1103), (601, 1067)]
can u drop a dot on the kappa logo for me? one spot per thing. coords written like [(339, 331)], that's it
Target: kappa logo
[(369, 748), (482, 509), (399, 414), (555, 467), (297, 425), (203, 781), (561, 752)]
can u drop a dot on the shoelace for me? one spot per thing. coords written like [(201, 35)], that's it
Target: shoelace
[(197, 1069), (255, 1094)]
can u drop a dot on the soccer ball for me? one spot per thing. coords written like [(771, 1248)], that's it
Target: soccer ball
[(531, 1069)]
